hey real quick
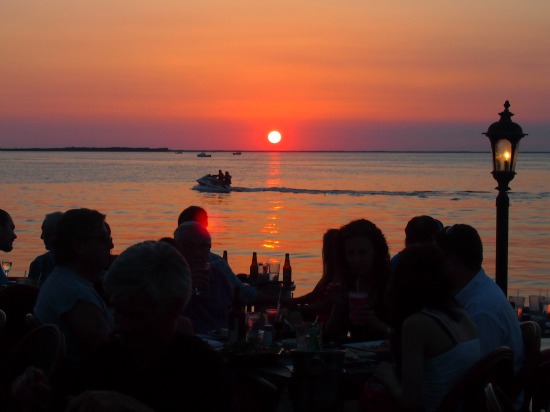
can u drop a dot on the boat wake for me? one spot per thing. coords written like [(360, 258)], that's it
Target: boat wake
[(421, 193)]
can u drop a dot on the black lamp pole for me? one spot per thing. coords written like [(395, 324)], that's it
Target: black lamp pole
[(504, 136)]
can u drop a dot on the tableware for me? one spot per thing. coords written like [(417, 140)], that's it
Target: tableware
[(274, 267), (518, 301), (6, 266), (301, 339), (308, 335), (535, 303), (358, 301), (200, 273), (376, 346), (271, 315), (250, 353), (253, 322)]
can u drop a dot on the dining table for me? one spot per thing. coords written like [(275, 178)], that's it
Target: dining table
[(326, 379)]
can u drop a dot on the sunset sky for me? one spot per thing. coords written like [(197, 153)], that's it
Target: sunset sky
[(219, 75)]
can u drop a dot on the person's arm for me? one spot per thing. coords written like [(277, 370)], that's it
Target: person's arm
[(88, 324), (105, 401), (408, 391), (414, 338)]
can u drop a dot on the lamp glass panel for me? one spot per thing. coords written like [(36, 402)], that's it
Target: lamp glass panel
[(504, 159)]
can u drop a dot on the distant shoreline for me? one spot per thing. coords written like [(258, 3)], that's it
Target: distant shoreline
[(179, 151)]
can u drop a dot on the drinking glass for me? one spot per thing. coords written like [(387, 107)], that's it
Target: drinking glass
[(201, 278), (6, 266)]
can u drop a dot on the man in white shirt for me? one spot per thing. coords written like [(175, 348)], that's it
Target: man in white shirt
[(496, 321)]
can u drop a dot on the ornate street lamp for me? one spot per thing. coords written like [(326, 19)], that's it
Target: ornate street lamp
[(504, 136)]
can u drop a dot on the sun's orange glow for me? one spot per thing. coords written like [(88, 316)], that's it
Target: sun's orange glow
[(185, 76), (274, 137)]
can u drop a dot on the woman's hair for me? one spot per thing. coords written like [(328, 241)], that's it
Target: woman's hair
[(417, 282), (367, 229), (330, 260), (154, 270)]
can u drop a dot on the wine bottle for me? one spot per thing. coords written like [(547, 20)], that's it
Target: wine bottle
[(287, 271), (237, 318), (254, 268)]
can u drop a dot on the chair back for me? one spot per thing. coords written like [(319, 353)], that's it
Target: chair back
[(496, 400), (468, 393), (541, 387), (525, 378), (43, 348), (17, 301)]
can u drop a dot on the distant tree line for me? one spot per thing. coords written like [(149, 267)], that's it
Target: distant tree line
[(89, 149)]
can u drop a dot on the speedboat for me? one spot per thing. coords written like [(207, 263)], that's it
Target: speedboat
[(210, 183), (236, 153), (202, 154)]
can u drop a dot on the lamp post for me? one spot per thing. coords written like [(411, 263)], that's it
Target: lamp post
[(504, 136)]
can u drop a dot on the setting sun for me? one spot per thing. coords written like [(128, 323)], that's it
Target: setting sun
[(274, 137)]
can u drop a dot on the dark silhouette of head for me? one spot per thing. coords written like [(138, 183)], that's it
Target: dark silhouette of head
[(463, 243), (49, 226), (193, 214), (418, 281), (7, 231), (366, 229), (421, 229), (77, 225)]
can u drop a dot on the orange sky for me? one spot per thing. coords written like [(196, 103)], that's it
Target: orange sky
[(349, 75)]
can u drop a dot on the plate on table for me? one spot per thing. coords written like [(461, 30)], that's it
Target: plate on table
[(219, 334), (355, 356), (248, 353), (377, 346), (214, 344)]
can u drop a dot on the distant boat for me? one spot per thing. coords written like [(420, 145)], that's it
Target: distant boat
[(179, 152), (236, 153), (202, 154), (211, 183)]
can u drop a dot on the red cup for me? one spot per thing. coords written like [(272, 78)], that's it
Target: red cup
[(358, 302)]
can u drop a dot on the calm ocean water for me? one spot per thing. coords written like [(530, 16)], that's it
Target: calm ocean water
[(283, 202)]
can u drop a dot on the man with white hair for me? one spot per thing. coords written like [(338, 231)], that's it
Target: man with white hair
[(209, 306)]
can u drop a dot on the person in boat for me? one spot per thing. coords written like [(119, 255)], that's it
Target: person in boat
[(227, 178), (221, 176)]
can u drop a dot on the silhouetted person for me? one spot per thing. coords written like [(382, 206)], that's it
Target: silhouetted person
[(227, 178), (420, 229), (7, 237), (42, 265), (437, 340), (68, 297), (209, 309), (483, 300)]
